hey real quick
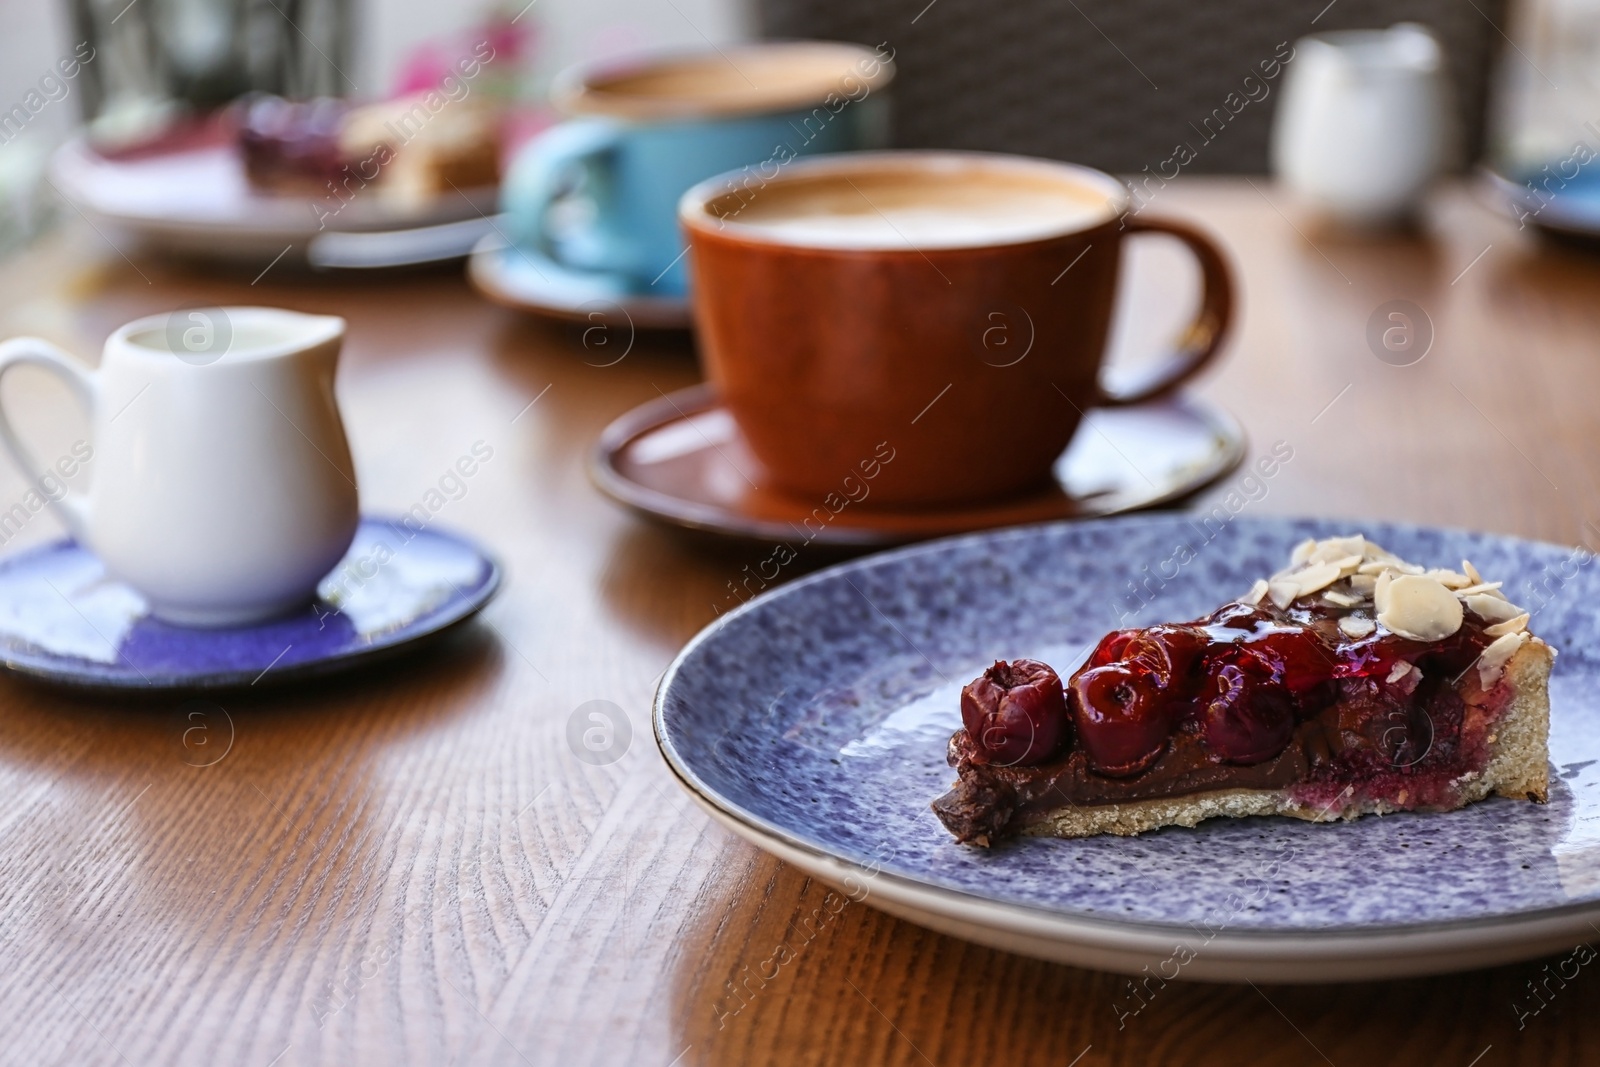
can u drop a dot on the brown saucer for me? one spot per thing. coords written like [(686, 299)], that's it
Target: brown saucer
[(680, 460)]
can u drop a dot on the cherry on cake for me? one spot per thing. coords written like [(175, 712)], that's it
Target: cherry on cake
[(1350, 683)]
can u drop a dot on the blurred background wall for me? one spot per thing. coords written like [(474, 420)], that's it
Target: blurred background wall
[(34, 33), (37, 36), (1116, 84)]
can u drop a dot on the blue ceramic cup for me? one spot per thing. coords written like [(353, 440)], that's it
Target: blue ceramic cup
[(598, 193)]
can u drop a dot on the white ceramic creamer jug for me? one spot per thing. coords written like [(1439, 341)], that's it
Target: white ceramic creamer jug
[(223, 489), (1365, 122)]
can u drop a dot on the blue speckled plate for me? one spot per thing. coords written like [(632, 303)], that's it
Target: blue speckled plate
[(813, 722), (63, 620)]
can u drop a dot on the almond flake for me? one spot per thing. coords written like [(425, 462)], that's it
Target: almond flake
[(1471, 572), (1377, 552), (1420, 608), (1399, 566), (1494, 658), (1283, 592), (1481, 587), (1450, 579), (1510, 626), (1380, 590), (1338, 548), (1362, 584), (1399, 671), (1357, 627), (1338, 599), (1492, 608), (1257, 591), (1302, 551), (1315, 577)]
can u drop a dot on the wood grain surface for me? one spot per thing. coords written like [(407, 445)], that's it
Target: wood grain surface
[(413, 866)]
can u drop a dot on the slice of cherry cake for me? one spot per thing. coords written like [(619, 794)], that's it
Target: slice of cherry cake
[(1352, 682)]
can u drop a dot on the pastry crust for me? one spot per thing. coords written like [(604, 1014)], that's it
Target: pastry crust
[(1519, 761), (1518, 767)]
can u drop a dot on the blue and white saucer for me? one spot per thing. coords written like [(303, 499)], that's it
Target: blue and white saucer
[(64, 620)]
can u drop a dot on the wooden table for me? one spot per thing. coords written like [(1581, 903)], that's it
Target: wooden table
[(412, 866)]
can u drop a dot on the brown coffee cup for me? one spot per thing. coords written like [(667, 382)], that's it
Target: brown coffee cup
[(949, 309)]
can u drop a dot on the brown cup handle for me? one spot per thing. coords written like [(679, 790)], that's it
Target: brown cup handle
[(1199, 342)]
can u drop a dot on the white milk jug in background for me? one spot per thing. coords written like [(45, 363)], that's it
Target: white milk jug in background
[(1365, 122)]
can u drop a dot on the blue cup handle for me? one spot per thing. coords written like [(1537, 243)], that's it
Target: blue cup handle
[(542, 171)]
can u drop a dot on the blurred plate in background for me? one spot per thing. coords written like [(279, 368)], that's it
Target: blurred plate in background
[(195, 200), (1560, 208)]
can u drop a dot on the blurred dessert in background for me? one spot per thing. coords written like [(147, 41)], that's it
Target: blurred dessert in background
[(410, 148)]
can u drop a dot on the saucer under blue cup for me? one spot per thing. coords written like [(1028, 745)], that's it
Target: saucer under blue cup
[(528, 281), (64, 620)]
